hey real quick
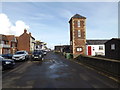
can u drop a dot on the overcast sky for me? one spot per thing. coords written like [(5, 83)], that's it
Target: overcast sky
[(48, 21)]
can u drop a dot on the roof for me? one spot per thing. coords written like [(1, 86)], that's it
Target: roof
[(29, 34), (3, 37), (115, 39), (32, 37), (95, 42), (78, 16), (11, 38)]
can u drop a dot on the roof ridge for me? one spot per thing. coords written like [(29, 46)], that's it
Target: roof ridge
[(78, 16)]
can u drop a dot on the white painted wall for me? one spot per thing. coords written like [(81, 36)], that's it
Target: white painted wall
[(96, 49), (32, 44)]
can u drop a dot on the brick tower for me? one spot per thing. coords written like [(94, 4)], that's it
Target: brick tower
[(77, 35)]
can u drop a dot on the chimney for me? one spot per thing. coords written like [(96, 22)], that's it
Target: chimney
[(25, 31), (30, 34)]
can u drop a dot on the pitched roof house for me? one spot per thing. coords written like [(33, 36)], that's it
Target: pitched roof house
[(112, 48), (95, 47), (26, 42)]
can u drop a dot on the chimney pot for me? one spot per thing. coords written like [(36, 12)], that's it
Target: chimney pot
[(29, 33), (25, 31)]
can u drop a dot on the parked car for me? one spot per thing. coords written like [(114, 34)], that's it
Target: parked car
[(7, 63), (21, 56), (44, 52), (37, 55), (7, 56)]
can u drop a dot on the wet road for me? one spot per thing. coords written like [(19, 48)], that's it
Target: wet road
[(55, 72)]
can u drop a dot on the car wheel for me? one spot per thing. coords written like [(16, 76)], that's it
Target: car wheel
[(42, 58), (25, 58)]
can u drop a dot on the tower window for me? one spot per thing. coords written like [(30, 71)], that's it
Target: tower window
[(79, 33), (78, 23), (70, 42), (79, 49)]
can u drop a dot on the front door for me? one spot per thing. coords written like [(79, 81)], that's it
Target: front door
[(89, 50)]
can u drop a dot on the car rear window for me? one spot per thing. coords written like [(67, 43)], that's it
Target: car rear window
[(20, 53), (37, 52)]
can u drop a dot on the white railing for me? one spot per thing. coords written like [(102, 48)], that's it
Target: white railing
[(4, 46)]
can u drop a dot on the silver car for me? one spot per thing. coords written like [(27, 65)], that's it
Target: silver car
[(20, 56)]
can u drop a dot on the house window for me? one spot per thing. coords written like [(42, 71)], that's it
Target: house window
[(79, 33), (100, 47), (79, 49), (78, 23), (70, 42), (112, 46), (2, 42), (13, 45)]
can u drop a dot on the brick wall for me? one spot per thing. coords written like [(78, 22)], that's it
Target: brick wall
[(24, 42), (77, 42), (108, 66)]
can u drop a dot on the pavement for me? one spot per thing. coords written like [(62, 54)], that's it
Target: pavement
[(54, 72)]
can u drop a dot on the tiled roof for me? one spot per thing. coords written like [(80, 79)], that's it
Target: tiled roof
[(11, 38), (3, 37), (78, 16), (95, 42)]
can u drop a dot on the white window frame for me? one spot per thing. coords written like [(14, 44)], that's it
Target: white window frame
[(112, 46), (79, 49), (79, 33), (70, 42), (100, 47), (78, 23)]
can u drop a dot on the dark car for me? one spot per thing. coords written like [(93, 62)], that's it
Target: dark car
[(7, 63), (7, 56), (37, 55)]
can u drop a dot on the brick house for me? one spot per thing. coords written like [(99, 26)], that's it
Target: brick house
[(26, 42), (4, 44), (12, 41), (77, 35), (112, 48)]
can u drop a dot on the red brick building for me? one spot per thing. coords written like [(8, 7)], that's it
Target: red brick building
[(12, 41), (26, 42), (77, 35), (4, 44)]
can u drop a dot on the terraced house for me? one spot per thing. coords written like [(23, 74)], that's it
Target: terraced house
[(4, 44), (12, 43)]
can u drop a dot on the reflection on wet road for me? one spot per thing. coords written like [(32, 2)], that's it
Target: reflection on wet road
[(55, 72)]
